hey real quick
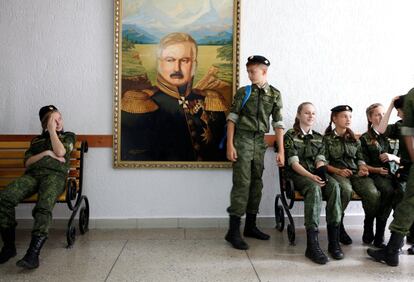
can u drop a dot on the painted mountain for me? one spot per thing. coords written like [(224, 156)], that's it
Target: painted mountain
[(207, 21)]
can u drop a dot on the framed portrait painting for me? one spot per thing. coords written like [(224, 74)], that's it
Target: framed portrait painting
[(175, 72)]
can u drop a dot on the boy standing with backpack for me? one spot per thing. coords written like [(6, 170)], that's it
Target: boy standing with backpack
[(247, 123)]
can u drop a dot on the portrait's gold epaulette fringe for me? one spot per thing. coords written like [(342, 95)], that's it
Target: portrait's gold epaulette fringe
[(138, 102), (214, 101)]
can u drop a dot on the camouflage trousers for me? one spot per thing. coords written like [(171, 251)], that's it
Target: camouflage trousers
[(387, 187), (246, 192), (404, 212), (314, 195), (48, 186), (364, 187)]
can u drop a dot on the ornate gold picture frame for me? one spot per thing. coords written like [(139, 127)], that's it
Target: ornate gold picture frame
[(176, 66)]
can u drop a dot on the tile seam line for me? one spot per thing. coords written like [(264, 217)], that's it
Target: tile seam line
[(113, 265)]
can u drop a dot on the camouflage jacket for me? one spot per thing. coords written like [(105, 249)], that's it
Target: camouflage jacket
[(306, 149), (48, 164), (254, 116), (341, 152)]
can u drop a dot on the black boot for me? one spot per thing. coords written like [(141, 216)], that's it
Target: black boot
[(313, 251), (333, 246), (343, 236), (9, 248), (391, 252), (31, 259), (410, 250), (368, 235), (251, 230), (233, 235), (379, 233)]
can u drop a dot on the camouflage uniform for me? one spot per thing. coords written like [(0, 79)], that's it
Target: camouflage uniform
[(373, 144), (347, 154), (308, 150), (404, 213), (46, 177), (251, 123)]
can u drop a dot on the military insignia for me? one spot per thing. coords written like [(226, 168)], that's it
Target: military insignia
[(207, 135), (70, 147), (288, 144), (197, 106), (183, 102)]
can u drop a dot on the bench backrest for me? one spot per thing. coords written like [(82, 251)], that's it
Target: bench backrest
[(12, 164)]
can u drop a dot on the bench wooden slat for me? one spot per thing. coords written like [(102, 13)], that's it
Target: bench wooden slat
[(14, 145), (4, 182), (15, 154), (11, 163)]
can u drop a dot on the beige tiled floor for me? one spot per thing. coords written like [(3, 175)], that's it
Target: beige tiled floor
[(194, 255)]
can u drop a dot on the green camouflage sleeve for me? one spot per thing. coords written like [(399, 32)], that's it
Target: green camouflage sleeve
[(359, 154), (321, 154), (364, 149), (277, 118), (236, 105), (408, 121), (290, 150), (69, 143), (326, 148)]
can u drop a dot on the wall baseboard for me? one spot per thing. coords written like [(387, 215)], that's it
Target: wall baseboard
[(147, 223)]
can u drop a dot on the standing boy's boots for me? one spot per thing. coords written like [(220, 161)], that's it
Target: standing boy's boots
[(313, 250), (251, 230), (368, 235), (343, 236), (379, 233), (233, 235), (391, 252), (334, 247), (9, 248), (31, 259)]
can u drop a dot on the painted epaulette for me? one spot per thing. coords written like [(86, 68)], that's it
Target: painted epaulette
[(138, 101), (214, 101)]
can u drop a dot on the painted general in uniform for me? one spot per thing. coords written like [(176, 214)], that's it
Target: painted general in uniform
[(174, 121)]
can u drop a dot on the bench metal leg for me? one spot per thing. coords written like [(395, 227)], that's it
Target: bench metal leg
[(83, 220)]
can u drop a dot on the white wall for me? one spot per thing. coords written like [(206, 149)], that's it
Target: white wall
[(326, 51)]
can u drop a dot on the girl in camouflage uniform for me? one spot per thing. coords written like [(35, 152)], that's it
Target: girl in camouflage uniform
[(47, 164), (306, 166), (346, 164), (382, 165)]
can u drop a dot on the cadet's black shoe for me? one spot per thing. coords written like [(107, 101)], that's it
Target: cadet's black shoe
[(343, 236), (368, 235), (334, 247), (390, 253), (410, 250), (313, 250), (379, 233), (410, 236), (31, 258), (9, 248), (251, 230), (233, 235)]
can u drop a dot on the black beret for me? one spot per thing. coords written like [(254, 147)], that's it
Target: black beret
[(256, 59), (399, 103), (46, 109), (341, 108)]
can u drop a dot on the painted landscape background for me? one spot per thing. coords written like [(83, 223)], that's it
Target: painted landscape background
[(145, 22)]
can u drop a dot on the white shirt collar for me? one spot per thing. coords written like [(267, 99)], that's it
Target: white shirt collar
[(306, 133)]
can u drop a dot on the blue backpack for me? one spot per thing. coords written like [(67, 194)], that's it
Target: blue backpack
[(248, 91)]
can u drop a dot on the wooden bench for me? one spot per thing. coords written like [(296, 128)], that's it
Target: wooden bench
[(12, 167)]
